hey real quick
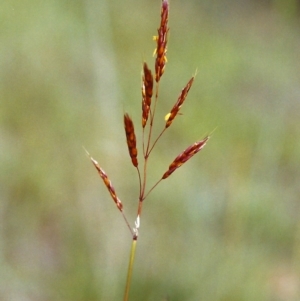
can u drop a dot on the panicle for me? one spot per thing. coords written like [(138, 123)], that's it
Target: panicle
[(131, 139), (185, 156), (147, 91), (108, 184), (178, 104), (161, 41)]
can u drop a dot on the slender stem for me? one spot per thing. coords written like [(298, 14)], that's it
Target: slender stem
[(156, 97), (140, 206), (156, 141), (152, 119), (143, 142), (130, 268), (144, 179), (140, 180), (127, 223), (151, 189)]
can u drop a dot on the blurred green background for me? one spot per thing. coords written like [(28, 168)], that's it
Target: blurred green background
[(225, 226)]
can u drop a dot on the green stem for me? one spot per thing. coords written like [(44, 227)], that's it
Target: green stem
[(130, 268)]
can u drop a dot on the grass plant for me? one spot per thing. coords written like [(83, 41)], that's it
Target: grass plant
[(224, 227), (150, 89)]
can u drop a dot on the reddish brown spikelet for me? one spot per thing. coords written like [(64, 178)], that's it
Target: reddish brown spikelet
[(161, 40), (131, 139), (185, 156), (147, 91), (178, 104), (108, 184)]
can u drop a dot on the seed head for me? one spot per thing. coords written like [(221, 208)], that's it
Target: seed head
[(178, 104), (185, 156), (161, 41), (131, 139), (108, 184), (147, 91)]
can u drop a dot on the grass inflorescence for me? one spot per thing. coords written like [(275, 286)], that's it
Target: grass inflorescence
[(150, 84)]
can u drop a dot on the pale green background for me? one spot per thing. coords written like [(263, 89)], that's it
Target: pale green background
[(225, 226)]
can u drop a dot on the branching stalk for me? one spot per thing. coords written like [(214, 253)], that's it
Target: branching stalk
[(148, 115)]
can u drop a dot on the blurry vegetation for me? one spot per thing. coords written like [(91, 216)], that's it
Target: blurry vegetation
[(224, 227)]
